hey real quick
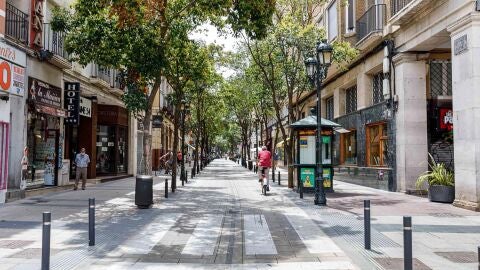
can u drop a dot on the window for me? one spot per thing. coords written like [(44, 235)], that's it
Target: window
[(377, 145), (332, 21), (349, 148), (440, 78), (377, 88), (329, 108), (351, 99), (350, 16)]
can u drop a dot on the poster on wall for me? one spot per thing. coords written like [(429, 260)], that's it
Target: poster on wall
[(12, 69), (327, 177), (307, 176), (446, 119)]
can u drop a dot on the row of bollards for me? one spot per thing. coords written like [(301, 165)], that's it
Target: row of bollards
[(407, 236), (47, 228)]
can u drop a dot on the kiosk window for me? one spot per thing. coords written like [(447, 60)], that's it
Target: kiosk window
[(377, 145)]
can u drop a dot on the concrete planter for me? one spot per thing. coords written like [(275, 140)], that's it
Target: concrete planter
[(443, 194)]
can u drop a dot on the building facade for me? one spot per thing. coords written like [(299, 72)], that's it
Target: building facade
[(62, 108), (410, 93)]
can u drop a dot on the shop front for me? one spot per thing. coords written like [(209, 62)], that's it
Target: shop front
[(43, 133), (111, 140)]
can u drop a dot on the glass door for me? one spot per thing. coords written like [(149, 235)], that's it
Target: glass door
[(105, 149)]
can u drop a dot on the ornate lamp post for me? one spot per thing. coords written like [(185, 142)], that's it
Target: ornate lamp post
[(317, 71)]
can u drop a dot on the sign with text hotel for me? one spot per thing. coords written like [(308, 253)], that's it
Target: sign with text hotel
[(72, 102)]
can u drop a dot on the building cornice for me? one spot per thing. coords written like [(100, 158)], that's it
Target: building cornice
[(464, 22)]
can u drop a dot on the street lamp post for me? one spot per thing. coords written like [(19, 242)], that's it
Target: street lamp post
[(256, 141), (317, 71)]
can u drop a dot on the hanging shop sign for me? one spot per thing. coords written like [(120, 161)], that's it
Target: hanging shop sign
[(42, 93), (37, 23), (446, 119), (85, 107), (72, 102), (157, 121)]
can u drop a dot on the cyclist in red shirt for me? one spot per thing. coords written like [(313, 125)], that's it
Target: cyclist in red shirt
[(264, 164)]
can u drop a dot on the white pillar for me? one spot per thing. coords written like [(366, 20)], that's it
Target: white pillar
[(411, 120), (364, 90), (465, 35)]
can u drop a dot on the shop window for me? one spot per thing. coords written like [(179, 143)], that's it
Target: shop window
[(329, 108), (350, 16), (440, 78), (332, 25), (377, 145), (349, 147), (377, 88), (351, 99)]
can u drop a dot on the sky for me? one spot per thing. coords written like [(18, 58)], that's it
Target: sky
[(209, 34)]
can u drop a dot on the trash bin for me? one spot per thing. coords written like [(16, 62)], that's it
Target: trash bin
[(144, 191)]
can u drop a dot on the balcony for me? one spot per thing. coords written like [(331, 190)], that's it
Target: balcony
[(53, 43), (16, 27), (402, 11), (370, 26)]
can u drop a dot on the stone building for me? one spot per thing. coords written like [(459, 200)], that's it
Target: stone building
[(410, 92)]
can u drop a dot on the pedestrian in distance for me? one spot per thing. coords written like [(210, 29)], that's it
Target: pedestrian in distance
[(81, 161)]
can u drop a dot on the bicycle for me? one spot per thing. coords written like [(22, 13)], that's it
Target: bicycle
[(264, 183)]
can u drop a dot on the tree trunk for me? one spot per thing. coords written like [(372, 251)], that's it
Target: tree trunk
[(176, 123)]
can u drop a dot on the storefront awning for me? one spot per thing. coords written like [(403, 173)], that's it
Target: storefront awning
[(341, 130), (280, 144)]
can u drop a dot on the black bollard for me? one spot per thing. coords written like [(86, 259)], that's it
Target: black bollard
[(478, 257), (186, 177), (91, 222), (273, 175), (366, 223), (183, 184), (193, 172), (407, 243), (166, 188), (279, 178), (47, 220), (300, 186)]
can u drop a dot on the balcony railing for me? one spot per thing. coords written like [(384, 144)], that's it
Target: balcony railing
[(372, 21), (104, 74), (16, 24), (397, 5), (53, 41)]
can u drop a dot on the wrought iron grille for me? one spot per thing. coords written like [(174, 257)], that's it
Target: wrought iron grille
[(377, 88), (329, 108), (373, 20), (397, 5), (16, 24), (53, 41), (351, 99), (104, 74), (440, 78)]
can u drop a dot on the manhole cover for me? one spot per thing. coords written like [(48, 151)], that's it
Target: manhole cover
[(397, 264), (13, 244), (32, 253), (459, 256)]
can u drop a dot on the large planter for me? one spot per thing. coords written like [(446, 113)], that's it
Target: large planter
[(444, 194)]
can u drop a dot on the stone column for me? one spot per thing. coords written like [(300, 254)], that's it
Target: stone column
[(364, 90), (465, 38), (411, 120)]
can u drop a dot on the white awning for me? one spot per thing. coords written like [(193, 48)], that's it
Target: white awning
[(342, 130)]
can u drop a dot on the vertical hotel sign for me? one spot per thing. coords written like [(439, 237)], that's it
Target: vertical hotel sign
[(37, 23), (72, 102)]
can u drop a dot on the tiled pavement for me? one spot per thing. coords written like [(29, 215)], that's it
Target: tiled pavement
[(220, 220)]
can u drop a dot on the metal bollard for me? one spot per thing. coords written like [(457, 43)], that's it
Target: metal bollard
[(279, 178), (366, 223), (91, 222), (186, 176), (193, 172), (300, 186), (47, 220), (478, 258), (407, 243), (166, 188), (273, 175), (183, 181)]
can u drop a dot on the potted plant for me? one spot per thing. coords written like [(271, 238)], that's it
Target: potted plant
[(440, 180)]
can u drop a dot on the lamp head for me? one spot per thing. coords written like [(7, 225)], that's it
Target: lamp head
[(324, 53)]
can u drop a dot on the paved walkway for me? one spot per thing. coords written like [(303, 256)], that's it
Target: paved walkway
[(219, 220)]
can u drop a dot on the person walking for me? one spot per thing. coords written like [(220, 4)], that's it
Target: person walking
[(81, 161), (23, 181)]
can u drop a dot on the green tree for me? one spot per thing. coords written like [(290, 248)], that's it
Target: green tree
[(142, 37)]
